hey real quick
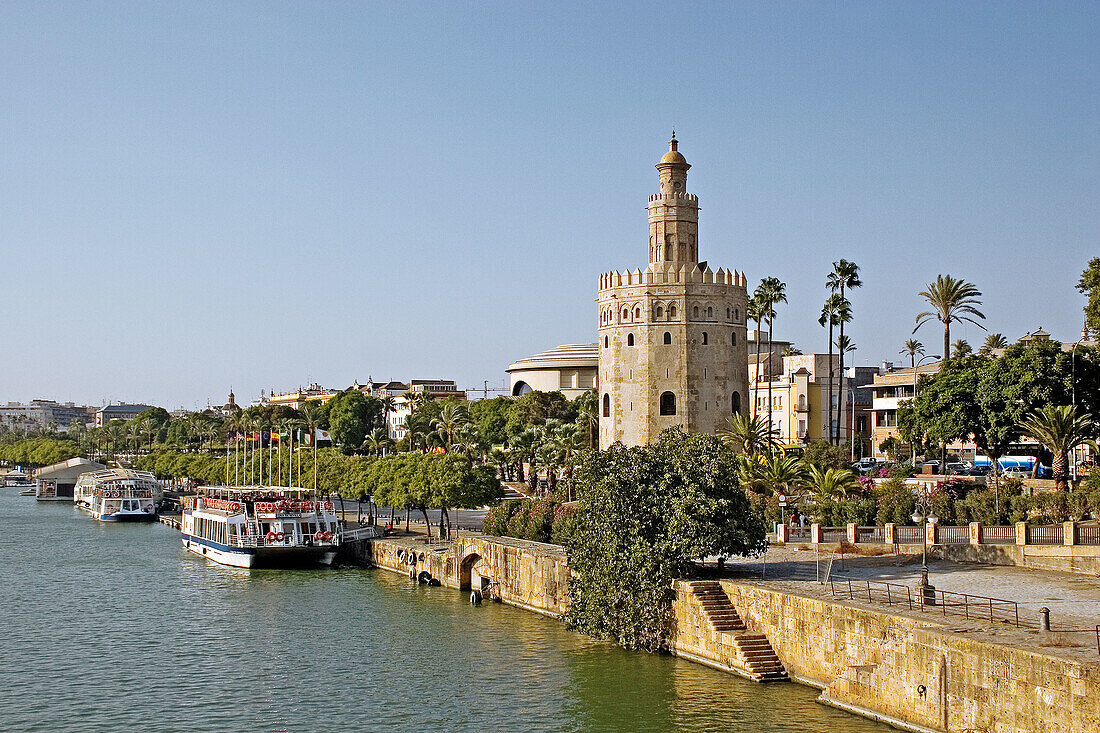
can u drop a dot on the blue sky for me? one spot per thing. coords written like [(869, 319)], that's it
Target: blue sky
[(198, 195)]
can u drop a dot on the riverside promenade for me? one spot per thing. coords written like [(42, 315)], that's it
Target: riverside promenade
[(770, 618)]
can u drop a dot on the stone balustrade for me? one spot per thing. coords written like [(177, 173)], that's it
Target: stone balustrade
[(1069, 534)]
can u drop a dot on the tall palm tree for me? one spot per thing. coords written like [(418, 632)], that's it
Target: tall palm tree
[(961, 347), (748, 435), (845, 276), (312, 413), (389, 403), (993, 341), (1060, 429), (780, 474), (844, 345), (771, 292), (835, 307), (952, 301), (754, 312)]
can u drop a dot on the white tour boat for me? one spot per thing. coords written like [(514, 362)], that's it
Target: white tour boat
[(257, 526), (118, 495)]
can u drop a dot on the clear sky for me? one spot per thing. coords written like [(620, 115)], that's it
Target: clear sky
[(198, 195)]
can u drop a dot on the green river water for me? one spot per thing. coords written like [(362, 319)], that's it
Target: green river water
[(117, 628)]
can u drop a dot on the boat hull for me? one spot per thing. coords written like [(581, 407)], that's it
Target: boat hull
[(125, 517), (260, 557)]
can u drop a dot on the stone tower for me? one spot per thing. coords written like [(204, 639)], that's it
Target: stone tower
[(672, 346)]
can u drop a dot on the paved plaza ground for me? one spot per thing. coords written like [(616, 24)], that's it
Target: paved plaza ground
[(1073, 600)]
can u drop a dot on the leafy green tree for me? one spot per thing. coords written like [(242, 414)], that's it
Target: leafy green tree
[(491, 417), (820, 454), (645, 515), (352, 415), (1089, 284), (535, 408), (1060, 429), (952, 301)]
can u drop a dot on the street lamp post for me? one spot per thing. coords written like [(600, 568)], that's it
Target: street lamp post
[(1073, 399), (923, 516)]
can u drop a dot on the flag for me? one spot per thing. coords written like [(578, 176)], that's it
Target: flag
[(323, 435)]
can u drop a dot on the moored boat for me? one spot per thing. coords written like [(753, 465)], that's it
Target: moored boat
[(118, 495), (256, 526)]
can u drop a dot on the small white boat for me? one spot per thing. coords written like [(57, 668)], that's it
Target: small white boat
[(257, 526), (118, 495)]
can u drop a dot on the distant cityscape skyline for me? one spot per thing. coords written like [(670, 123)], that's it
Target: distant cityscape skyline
[(262, 196)]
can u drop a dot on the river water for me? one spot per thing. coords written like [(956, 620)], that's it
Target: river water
[(116, 628)]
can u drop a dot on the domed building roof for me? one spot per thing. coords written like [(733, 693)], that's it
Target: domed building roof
[(563, 357)]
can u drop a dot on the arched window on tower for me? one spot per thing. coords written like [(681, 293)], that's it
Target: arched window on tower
[(668, 403), (736, 314), (668, 337), (630, 339), (710, 313), (733, 339), (735, 402), (605, 342), (638, 313), (727, 314), (695, 312), (672, 311), (626, 314), (607, 405), (704, 338)]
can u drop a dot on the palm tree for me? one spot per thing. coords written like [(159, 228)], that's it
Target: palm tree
[(845, 276), (312, 413), (832, 482), (451, 418), (771, 292), (844, 344), (952, 301), (781, 474), (961, 348), (1060, 429), (993, 341), (754, 312), (748, 435), (389, 402), (377, 441), (835, 307)]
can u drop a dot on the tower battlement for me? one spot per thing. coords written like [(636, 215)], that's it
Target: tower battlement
[(671, 275)]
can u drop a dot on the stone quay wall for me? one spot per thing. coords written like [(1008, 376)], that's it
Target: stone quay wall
[(917, 674), (530, 575)]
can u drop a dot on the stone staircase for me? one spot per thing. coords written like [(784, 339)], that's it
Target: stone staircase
[(754, 651), (516, 490)]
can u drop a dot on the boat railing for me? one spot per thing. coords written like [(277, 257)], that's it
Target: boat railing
[(261, 541)]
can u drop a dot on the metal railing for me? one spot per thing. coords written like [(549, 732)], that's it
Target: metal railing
[(799, 533), (359, 533), (953, 535), (998, 535), (871, 534), (1088, 534), (1047, 534), (997, 610), (908, 535), (834, 534)]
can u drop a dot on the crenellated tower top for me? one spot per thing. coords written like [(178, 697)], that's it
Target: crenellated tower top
[(673, 213)]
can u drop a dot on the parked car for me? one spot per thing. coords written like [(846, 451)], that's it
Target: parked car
[(865, 465), (1015, 472), (957, 469)]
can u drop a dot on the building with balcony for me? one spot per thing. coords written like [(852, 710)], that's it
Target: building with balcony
[(801, 406)]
